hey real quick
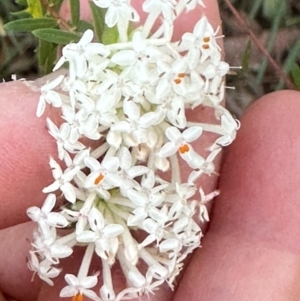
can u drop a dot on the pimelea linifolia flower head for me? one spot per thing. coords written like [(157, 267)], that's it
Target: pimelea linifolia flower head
[(130, 98)]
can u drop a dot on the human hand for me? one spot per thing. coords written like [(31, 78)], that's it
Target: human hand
[(24, 173)]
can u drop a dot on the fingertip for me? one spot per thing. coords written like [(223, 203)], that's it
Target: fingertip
[(251, 251), (259, 178), (24, 152)]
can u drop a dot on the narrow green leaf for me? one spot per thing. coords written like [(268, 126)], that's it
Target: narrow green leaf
[(246, 57), (22, 14), (271, 8), (270, 43), (35, 8), (110, 35), (46, 56), (56, 4), (296, 75), (290, 62), (98, 20), (83, 26), (75, 12), (30, 24), (21, 2), (56, 36)]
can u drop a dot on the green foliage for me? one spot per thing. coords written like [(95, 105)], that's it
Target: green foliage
[(75, 12), (34, 8), (246, 57), (56, 36), (271, 8), (30, 24), (41, 18), (46, 56), (296, 75), (98, 20)]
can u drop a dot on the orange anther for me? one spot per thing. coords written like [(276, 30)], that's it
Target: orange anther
[(181, 75), (98, 179), (206, 39), (77, 297), (177, 81), (205, 46), (184, 148)]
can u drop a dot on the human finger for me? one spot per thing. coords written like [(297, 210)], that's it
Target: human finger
[(251, 251)]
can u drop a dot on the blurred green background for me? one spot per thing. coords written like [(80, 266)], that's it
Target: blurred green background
[(276, 23), (17, 51)]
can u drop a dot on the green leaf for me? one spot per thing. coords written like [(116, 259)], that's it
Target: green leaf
[(35, 8), (110, 35), (75, 12), (23, 14), (30, 24), (83, 26), (98, 20), (296, 75), (56, 36), (21, 2), (271, 8), (46, 55), (246, 57), (56, 4)]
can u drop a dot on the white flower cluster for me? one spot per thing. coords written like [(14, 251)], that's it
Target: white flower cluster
[(123, 126)]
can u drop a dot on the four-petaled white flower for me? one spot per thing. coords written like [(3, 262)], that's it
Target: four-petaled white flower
[(48, 95), (180, 141), (45, 216), (62, 181), (118, 10), (79, 287), (165, 7), (104, 236), (43, 268)]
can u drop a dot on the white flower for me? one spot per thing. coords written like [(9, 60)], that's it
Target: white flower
[(79, 287), (138, 126), (230, 126), (202, 166), (155, 226), (104, 236), (179, 141), (117, 10), (43, 268), (103, 175), (141, 54), (129, 171), (203, 212), (78, 54), (49, 96), (48, 247), (166, 7), (44, 215), (147, 198), (63, 137), (201, 44), (62, 181)]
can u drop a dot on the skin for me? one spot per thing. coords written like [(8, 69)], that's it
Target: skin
[(251, 250)]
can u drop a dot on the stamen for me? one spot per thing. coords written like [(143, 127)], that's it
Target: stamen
[(205, 46), (78, 297), (99, 179), (206, 39), (181, 75), (177, 81), (184, 148)]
